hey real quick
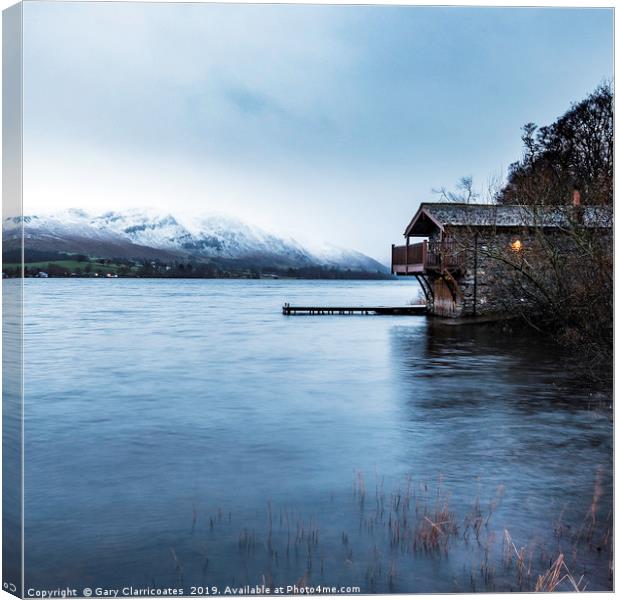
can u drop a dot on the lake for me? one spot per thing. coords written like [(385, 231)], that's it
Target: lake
[(185, 433)]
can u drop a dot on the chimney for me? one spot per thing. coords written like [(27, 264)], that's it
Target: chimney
[(576, 198)]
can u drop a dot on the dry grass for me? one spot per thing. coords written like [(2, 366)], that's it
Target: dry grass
[(557, 573), (517, 558), (416, 518)]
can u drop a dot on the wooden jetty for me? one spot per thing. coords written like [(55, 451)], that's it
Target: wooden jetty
[(412, 309)]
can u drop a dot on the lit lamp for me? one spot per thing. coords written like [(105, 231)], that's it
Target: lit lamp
[(516, 246)]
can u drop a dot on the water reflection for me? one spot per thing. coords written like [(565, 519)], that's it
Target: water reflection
[(481, 362)]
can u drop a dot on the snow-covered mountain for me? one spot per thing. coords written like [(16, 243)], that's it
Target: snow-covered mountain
[(144, 233)]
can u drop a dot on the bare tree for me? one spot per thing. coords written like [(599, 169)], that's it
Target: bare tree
[(464, 193), (494, 186)]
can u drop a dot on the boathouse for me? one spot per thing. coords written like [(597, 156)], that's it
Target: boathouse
[(469, 250)]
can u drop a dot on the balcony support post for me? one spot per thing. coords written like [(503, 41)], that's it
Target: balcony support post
[(407, 254)]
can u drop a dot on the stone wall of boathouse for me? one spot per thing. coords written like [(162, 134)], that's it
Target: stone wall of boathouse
[(484, 282)]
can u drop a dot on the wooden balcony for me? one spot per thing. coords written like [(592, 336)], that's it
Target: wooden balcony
[(424, 257)]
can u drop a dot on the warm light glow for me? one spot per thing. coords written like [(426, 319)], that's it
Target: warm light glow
[(516, 246)]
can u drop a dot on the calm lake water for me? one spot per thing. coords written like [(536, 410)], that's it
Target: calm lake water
[(186, 433)]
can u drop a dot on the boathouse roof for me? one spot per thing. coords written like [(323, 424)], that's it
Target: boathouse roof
[(433, 215)]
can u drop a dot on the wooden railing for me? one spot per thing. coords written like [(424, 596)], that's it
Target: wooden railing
[(399, 255), (443, 255), (434, 256)]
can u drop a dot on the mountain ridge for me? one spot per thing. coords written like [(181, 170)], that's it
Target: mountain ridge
[(146, 234)]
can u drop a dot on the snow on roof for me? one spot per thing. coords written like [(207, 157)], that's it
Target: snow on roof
[(444, 214)]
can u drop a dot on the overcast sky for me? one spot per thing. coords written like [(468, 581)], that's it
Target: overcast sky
[(321, 122)]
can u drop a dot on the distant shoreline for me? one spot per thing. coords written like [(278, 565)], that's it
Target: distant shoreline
[(45, 265), (352, 277)]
